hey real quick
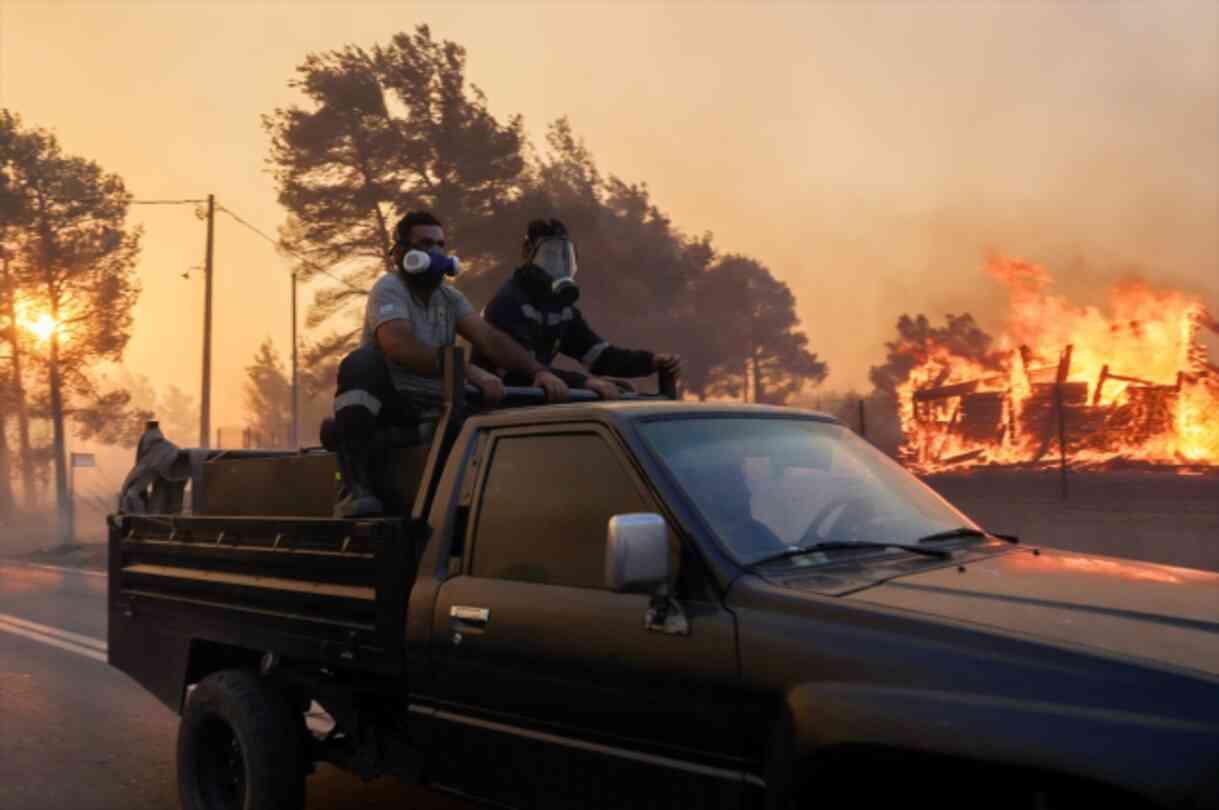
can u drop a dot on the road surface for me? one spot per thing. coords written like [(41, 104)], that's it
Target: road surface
[(79, 735)]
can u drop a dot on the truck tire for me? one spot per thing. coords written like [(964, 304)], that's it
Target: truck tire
[(240, 746)]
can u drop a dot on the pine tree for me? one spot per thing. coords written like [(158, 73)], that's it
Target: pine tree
[(70, 267), (765, 356), (268, 398), (349, 165)]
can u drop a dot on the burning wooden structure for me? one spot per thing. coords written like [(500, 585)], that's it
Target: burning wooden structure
[(1153, 397)]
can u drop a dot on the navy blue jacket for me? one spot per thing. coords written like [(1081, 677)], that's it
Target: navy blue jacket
[(547, 329)]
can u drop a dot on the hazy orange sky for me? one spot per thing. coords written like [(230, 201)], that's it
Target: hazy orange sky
[(871, 155)]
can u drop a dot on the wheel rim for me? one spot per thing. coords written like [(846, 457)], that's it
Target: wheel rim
[(221, 766)]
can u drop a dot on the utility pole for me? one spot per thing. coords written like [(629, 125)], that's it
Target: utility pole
[(205, 398), (296, 393)]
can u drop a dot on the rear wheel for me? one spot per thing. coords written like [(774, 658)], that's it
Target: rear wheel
[(240, 746)]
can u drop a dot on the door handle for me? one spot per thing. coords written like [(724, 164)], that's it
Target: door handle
[(470, 615)]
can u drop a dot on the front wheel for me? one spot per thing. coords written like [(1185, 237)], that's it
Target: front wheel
[(240, 746)]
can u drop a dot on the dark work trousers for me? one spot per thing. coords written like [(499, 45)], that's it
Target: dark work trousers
[(365, 403), (368, 393)]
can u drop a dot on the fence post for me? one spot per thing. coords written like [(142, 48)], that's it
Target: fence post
[(1062, 440), (1060, 379)]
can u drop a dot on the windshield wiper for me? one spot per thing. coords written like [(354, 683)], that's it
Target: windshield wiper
[(965, 531), (833, 545)]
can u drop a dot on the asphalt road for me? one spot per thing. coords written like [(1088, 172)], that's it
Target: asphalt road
[(77, 735)]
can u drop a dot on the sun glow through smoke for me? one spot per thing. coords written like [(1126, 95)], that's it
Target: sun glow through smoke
[(43, 327)]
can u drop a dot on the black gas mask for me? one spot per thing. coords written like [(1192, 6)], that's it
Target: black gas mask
[(552, 266)]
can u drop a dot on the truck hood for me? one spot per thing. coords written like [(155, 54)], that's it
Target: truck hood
[(1143, 610)]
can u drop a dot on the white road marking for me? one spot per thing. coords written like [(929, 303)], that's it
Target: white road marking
[(61, 568), (87, 646), (316, 718), (64, 635)]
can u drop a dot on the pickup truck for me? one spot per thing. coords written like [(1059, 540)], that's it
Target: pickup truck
[(653, 603)]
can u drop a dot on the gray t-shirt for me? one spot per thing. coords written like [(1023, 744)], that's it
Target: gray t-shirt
[(432, 325)]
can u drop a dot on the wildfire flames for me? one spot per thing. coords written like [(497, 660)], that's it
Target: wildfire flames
[(1131, 382)]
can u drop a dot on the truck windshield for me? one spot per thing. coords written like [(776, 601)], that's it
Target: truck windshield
[(767, 484)]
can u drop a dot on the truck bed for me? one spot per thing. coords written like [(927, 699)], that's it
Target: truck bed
[(318, 590)]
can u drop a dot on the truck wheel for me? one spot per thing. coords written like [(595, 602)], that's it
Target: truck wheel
[(240, 747)]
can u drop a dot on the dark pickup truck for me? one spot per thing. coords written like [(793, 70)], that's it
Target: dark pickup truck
[(654, 603)]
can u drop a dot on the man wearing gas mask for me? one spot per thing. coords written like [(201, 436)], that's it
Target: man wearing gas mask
[(392, 379), (537, 308)]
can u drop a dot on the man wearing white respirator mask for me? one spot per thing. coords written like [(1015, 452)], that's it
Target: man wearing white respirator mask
[(393, 378)]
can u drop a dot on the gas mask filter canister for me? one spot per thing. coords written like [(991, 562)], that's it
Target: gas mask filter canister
[(429, 262)]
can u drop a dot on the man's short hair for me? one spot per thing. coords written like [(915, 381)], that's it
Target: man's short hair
[(402, 233), (541, 228)]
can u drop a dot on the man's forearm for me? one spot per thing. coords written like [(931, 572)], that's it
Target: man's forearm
[(476, 373), (574, 379)]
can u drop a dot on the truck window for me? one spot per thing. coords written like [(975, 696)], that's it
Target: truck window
[(545, 506)]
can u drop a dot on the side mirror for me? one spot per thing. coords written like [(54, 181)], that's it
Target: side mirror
[(637, 553)]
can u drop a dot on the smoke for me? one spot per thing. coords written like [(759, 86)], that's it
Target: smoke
[(1082, 138)]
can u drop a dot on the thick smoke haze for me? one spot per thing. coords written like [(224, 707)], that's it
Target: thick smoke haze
[(872, 155)]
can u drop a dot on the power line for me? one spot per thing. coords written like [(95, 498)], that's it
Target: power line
[(303, 259), (251, 227), (312, 265), (168, 202)]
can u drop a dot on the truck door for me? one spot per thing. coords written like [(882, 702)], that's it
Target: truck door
[(537, 658)]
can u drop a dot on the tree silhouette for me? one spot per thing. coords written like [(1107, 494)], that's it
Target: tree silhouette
[(178, 412), (13, 217), (268, 397), (764, 356), (348, 166), (916, 337), (13, 399), (174, 409), (7, 501), (960, 334), (70, 260), (9, 210), (644, 283)]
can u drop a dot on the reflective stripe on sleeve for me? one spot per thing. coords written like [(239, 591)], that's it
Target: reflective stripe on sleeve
[(590, 357), (357, 399)]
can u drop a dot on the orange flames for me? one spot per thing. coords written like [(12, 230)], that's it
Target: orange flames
[(1129, 382)]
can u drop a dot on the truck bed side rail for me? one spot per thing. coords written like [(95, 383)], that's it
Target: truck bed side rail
[(312, 589)]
